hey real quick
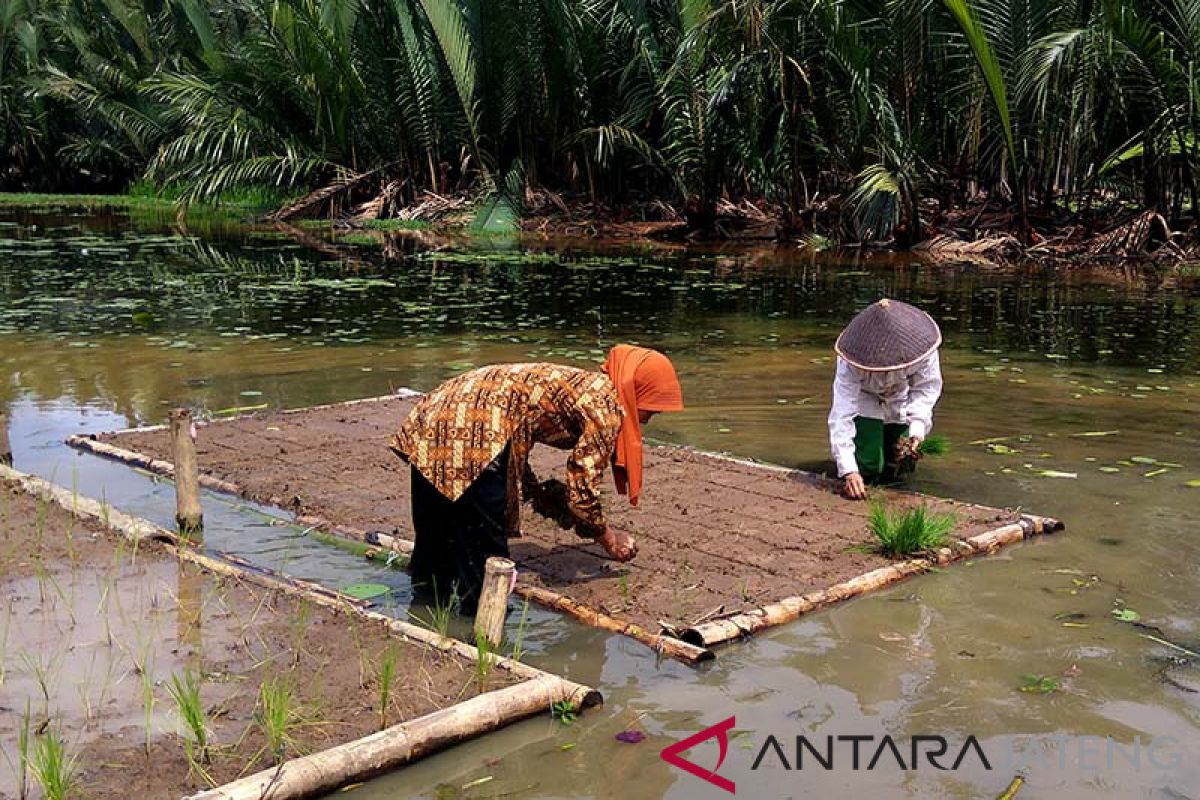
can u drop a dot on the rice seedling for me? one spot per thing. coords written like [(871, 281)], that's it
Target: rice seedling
[(485, 662), (23, 755), (185, 691), (387, 674), (518, 649), (908, 531), (441, 612), (276, 716), (148, 702), (53, 769), (4, 641), (41, 672), (935, 444)]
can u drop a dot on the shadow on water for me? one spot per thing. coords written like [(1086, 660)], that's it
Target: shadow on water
[(1087, 374)]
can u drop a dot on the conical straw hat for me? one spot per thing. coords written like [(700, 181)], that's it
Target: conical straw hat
[(888, 335)]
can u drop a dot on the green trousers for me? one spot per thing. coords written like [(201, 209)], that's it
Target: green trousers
[(875, 447)]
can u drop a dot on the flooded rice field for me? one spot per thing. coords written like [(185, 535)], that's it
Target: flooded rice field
[(1068, 393)]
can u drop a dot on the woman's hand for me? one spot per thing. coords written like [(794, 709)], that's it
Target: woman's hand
[(618, 544), (854, 488)]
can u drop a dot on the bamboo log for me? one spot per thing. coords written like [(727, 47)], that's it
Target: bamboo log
[(498, 577), (324, 772), (188, 514), (5, 448), (746, 623), (132, 528), (667, 645)]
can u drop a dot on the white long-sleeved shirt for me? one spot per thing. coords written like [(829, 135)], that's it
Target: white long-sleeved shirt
[(905, 396)]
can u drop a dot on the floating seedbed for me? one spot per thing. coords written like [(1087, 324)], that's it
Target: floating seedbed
[(726, 547), (135, 665)]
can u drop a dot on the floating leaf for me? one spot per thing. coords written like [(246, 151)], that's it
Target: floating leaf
[(1110, 469), (1002, 449), (224, 412), (366, 591), (1154, 473), (1075, 625), (1096, 433), (1143, 460), (1038, 684), (1053, 473), (1193, 484), (991, 440), (1126, 615), (567, 746), (478, 782)]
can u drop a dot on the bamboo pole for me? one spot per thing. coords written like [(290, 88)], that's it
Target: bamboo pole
[(5, 448), (749, 622), (667, 645), (326, 771), (188, 514), (498, 578)]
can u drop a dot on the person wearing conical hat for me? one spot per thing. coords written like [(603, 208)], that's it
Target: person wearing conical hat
[(468, 444), (888, 381)]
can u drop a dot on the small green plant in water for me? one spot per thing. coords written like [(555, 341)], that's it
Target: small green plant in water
[(387, 675), (53, 769), (23, 754), (1038, 684), (485, 661), (185, 691), (276, 715), (441, 612), (908, 531), (564, 711), (518, 648)]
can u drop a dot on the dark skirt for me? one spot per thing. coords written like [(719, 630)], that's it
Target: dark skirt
[(454, 539)]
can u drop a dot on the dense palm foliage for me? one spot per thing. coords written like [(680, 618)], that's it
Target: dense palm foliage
[(883, 105)]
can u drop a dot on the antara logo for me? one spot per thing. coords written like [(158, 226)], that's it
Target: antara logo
[(720, 731)]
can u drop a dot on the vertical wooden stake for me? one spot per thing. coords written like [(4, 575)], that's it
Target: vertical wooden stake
[(5, 447), (493, 599), (188, 514)]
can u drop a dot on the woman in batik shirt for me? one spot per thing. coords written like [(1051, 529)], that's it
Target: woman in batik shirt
[(468, 444)]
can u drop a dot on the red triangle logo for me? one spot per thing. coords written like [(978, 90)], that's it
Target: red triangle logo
[(672, 756)]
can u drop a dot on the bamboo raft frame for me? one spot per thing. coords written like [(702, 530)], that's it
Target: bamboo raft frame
[(691, 645), (326, 771)]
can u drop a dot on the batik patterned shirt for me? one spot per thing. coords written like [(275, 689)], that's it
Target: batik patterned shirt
[(456, 430)]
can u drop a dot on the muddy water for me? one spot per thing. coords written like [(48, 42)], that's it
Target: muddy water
[(103, 324)]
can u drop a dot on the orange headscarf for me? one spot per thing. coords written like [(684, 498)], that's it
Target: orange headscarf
[(645, 381)]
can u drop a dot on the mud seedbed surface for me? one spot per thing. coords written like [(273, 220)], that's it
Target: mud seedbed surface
[(84, 615), (712, 533)]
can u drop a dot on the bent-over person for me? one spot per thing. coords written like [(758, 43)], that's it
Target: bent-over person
[(468, 443), (888, 381)]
